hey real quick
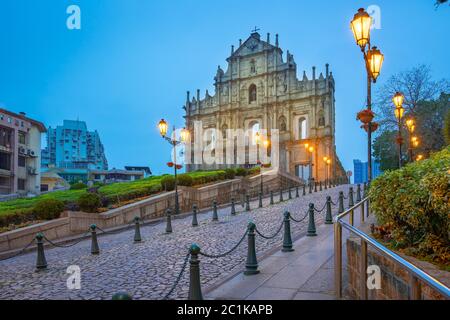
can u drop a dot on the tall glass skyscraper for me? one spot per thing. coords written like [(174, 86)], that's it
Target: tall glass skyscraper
[(360, 171)]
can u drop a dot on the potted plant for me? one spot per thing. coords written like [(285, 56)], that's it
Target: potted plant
[(365, 116), (170, 164), (374, 126)]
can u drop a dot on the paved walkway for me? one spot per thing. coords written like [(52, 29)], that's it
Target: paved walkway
[(148, 270), (307, 273)]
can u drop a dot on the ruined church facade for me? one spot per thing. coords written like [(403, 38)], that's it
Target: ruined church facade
[(260, 88)]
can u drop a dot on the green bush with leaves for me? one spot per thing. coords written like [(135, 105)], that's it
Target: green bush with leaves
[(185, 180), (89, 202), (414, 203), (48, 209), (230, 173), (168, 183), (241, 172), (78, 186)]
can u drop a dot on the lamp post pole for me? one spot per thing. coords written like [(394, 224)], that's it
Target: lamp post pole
[(174, 142), (373, 59)]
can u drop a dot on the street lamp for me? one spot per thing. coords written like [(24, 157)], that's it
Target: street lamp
[(310, 149), (327, 163), (411, 127), (184, 135), (419, 157), (373, 58), (266, 144), (399, 110)]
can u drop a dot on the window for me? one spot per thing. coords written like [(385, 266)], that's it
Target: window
[(302, 171), (21, 184), (44, 187), (321, 119), (255, 129), (22, 161), (22, 138), (302, 129), (252, 94), (252, 66), (5, 161)]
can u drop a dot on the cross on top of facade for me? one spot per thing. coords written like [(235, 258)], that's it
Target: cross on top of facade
[(255, 30)]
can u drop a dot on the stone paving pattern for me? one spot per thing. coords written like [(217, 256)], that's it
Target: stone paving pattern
[(147, 270)]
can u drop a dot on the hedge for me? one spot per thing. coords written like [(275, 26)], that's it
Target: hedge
[(413, 203)]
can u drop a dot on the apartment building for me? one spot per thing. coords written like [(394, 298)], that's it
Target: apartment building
[(20, 153), (74, 150)]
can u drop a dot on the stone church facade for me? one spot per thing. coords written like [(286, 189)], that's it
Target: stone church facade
[(260, 87)]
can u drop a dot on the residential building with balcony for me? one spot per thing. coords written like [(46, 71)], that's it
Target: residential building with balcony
[(20, 153), (74, 150)]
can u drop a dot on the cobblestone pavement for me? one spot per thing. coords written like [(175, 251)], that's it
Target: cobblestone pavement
[(148, 270)]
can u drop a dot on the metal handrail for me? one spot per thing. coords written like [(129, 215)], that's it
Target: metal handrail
[(414, 272)]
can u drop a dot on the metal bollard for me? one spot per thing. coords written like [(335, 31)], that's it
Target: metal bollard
[(311, 223), (94, 243), (137, 230), (350, 198), (320, 185), (290, 194), (326, 185), (247, 202), (215, 217), (341, 202), (281, 195), (195, 287), (315, 186), (260, 200), (296, 192), (271, 197), (122, 296), (358, 193), (251, 266), (310, 187), (169, 221), (41, 262), (365, 190), (233, 207), (194, 216), (328, 215), (287, 239), (304, 190)]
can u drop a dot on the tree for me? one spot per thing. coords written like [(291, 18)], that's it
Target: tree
[(446, 128), (417, 86), (430, 118), (385, 150)]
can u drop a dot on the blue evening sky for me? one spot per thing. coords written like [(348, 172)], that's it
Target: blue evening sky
[(133, 60)]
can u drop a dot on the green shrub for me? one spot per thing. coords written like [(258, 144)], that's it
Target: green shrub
[(185, 180), (48, 209), (89, 202), (230, 173), (168, 183), (254, 170), (78, 186), (414, 202), (242, 172)]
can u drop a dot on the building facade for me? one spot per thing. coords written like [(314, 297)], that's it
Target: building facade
[(71, 146), (260, 89), (360, 171), (115, 175), (20, 153)]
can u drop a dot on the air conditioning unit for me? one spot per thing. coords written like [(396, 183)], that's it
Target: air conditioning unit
[(30, 153), (22, 150)]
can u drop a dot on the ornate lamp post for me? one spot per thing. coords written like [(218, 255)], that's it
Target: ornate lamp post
[(327, 161), (398, 102), (419, 157), (163, 126), (373, 59), (411, 127), (310, 149)]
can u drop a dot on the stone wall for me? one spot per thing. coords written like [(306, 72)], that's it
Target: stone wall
[(73, 224), (394, 278)]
